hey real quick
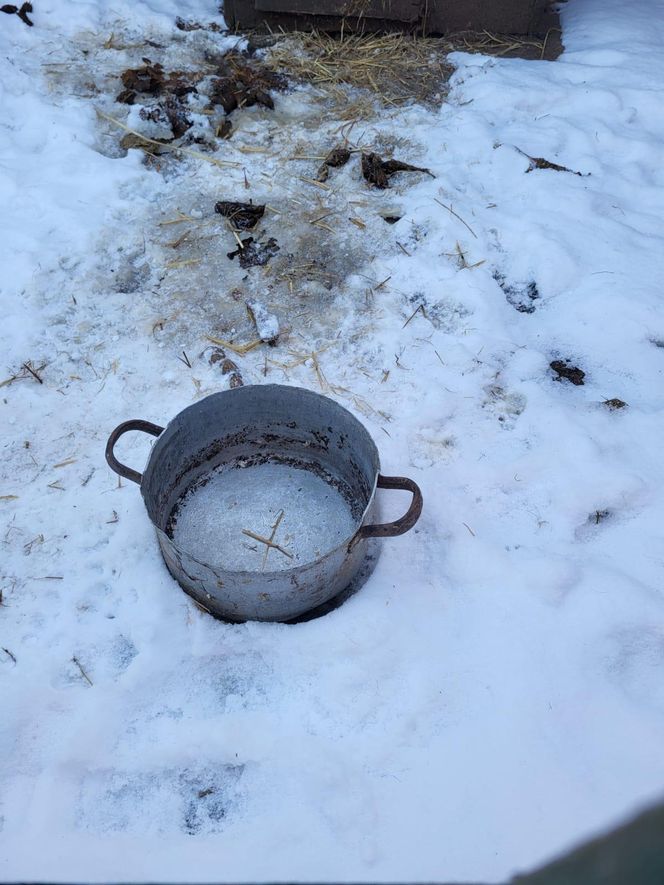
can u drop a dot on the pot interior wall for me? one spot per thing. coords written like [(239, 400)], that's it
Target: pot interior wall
[(256, 425)]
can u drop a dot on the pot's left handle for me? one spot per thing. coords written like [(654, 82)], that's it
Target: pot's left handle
[(125, 427)]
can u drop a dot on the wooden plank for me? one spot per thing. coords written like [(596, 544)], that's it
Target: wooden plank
[(442, 16), (390, 10)]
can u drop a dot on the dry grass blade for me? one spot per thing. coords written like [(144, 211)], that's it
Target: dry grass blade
[(167, 147), (185, 262), (239, 242), (182, 218), (303, 357), (179, 240), (27, 370), (76, 661), (322, 380), (490, 43), (452, 212), (201, 607), (463, 261), (239, 349), (320, 184), (270, 544), (33, 372), (272, 534), (418, 309)]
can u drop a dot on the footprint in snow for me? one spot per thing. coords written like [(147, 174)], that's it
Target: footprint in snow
[(522, 296), (593, 525), (164, 800), (431, 445), (636, 664), (504, 405)]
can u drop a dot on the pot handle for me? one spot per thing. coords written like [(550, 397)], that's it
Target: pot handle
[(134, 424), (400, 526)]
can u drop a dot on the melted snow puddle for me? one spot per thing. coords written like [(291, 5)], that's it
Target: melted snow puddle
[(211, 521)]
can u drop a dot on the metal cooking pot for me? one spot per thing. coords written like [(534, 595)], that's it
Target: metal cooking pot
[(262, 498)]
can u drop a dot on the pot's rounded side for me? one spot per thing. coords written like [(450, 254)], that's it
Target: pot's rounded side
[(263, 420), (269, 596)]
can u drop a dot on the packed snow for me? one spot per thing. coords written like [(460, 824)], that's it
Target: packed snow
[(494, 692)]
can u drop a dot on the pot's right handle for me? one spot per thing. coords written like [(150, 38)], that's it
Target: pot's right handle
[(134, 424), (389, 529)]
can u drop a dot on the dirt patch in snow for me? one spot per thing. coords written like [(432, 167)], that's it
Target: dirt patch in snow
[(565, 371), (254, 253), (217, 83), (260, 202), (522, 296)]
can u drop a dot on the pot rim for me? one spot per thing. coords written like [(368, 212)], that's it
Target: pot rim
[(285, 572)]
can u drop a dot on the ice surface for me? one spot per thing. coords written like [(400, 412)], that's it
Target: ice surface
[(211, 518)]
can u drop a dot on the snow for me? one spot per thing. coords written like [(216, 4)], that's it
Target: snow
[(267, 324), (494, 692)]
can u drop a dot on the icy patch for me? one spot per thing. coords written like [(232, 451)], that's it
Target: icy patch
[(217, 521)]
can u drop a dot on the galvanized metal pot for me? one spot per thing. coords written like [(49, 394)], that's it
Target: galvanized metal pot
[(248, 427)]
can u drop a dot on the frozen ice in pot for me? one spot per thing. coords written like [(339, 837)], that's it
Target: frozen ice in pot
[(225, 520)]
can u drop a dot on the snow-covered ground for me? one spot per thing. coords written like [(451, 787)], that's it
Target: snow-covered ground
[(495, 691)]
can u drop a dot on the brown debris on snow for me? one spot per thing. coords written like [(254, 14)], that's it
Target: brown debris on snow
[(239, 83), (226, 82), (183, 25), (569, 373), (21, 12), (337, 157), (150, 79), (170, 113), (244, 216), (167, 91), (228, 367), (542, 163), (378, 171)]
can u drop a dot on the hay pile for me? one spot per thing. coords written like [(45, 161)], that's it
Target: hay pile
[(488, 43), (395, 68)]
